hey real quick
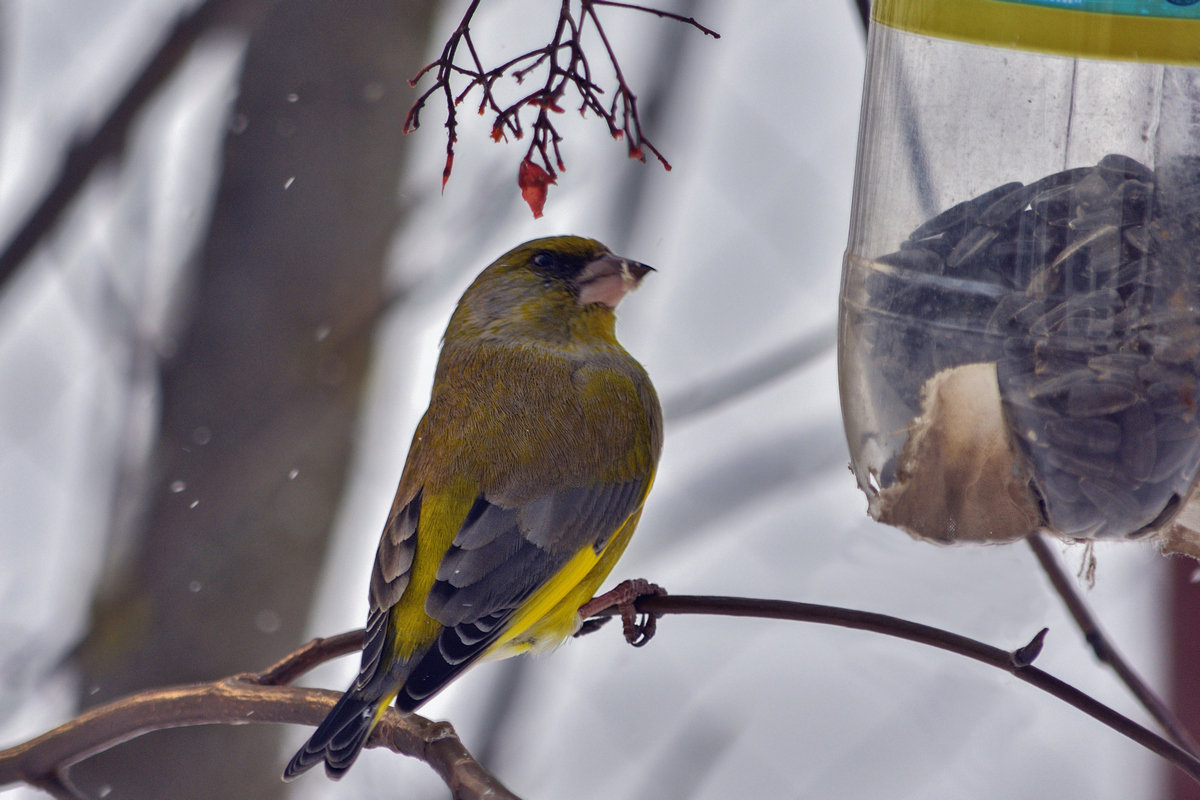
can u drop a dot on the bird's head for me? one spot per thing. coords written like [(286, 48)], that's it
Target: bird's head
[(554, 289)]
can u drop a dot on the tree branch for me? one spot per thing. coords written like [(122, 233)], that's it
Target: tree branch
[(257, 697), (1106, 652), (254, 697), (1016, 663)]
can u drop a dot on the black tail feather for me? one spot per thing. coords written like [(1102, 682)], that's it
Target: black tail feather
[(339, 739)]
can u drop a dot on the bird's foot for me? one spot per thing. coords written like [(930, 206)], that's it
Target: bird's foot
[(625, 596)]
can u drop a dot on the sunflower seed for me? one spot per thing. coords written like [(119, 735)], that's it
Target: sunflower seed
[(1104, 237), (1057, 385), (1094, 399), (1091, 220), (1125, 166), (917, 258), (1092, 191), (1139, 446), (1117, 502), (1138, 237), (971, 245), (1122, 367), (1054, 205), (1173, 395), (1007, 206), (1062, 486), (1091, 466), (1133, 197), (1171, 428), (1173, 456), (1085, 435)]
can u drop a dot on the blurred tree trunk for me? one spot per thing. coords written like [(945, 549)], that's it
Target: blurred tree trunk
[(1183, 637), (261, 396)]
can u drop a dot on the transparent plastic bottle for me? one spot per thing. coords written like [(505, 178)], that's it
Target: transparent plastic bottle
[(1019, 343)]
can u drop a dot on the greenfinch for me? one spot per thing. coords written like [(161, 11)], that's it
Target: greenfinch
[(524, 482)]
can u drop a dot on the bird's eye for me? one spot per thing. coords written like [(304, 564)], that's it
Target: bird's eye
[(543, 260)]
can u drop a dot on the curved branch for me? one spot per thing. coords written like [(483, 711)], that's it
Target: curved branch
[(1016, 663), (258, 697), (254, 697)]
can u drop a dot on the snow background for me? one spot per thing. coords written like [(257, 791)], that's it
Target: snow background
[(752, 497)]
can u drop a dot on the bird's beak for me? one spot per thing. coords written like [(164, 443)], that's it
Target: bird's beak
[(608, 278)]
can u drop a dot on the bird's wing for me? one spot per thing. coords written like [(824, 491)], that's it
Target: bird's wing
[(499, 558), (394, 559), (389, 578)]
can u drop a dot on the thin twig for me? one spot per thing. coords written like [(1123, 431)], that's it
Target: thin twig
[(313, 654), (923, 634), (1104, 649), (660, 13)]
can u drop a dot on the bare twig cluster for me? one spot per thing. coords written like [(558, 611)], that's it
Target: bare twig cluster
[(563, 68)]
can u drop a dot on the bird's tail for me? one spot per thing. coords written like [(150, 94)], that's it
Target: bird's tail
[(340, 738)]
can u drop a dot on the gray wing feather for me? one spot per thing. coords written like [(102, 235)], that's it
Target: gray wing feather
[(501, 555), (572, 519), (397, 548)]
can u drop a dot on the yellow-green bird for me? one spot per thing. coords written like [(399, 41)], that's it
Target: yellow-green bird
[(524, 482)]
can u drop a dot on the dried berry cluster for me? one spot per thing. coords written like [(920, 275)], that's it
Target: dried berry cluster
[(563, 68)]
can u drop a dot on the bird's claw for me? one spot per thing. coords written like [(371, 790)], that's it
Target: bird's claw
[(625, 596), (591, 626)]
